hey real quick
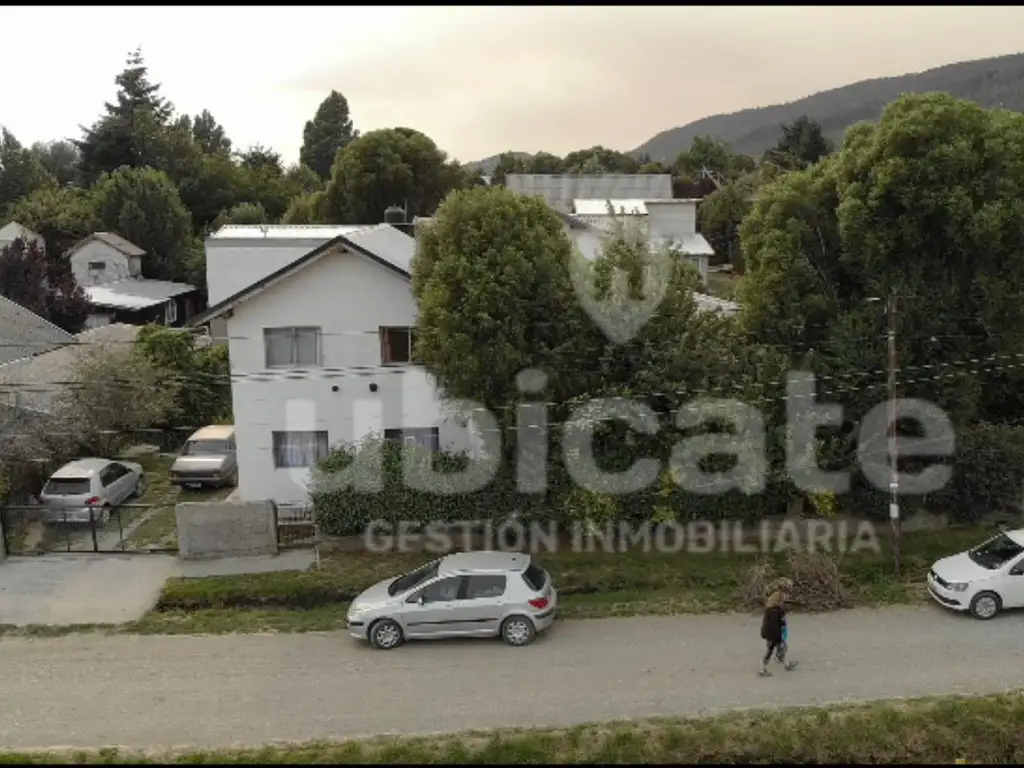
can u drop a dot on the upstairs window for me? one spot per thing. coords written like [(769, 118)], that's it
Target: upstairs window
[(397, 344), (292, 347)]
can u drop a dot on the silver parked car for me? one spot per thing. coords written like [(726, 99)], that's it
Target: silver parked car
[(90, 487), (208, 458), (471, 594)]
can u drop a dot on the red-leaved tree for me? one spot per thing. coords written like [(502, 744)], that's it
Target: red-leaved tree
[(41, 285)]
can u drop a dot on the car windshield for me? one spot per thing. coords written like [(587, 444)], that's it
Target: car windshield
[(414, 579), (205, 448), (996, 552), (67, 486)]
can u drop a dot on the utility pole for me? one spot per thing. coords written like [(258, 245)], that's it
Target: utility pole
[(894, 487)]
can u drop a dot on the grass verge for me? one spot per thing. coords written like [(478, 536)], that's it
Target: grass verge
[(940, 730)]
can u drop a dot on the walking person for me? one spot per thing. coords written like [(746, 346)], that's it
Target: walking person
[(774, 629)]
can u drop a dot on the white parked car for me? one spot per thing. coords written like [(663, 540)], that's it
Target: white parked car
[(87, 489), (984, 580)]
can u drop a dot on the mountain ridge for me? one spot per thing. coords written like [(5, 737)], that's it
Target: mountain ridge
[(997, 81)]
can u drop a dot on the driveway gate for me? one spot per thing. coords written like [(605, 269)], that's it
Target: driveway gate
[(128, 528)]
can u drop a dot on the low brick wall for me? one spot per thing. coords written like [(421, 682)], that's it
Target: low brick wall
[(226, 529)]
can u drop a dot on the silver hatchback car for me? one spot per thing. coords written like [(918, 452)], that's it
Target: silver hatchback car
[(471, 594)]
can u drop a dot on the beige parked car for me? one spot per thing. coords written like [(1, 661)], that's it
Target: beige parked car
[(208, 459)]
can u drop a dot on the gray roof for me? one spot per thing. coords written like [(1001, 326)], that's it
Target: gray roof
[(559, 190), (135, 293), (24, 333), (38, 379), (112, 239)]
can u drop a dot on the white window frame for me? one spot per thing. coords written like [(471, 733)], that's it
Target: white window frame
[(303, 456), (293, 360), (171, 312), (97, 266)]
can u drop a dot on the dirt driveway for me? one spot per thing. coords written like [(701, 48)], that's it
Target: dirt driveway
[(212, 691)]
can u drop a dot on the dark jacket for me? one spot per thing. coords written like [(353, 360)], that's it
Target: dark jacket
[(772, 624)]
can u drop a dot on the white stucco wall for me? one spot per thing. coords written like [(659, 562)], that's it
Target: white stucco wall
[(118, 265), (349, 297)]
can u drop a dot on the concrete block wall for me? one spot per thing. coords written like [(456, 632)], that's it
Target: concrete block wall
[(226, 529)]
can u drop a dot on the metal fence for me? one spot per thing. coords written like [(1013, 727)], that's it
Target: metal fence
[(296, 528), (39, 530)]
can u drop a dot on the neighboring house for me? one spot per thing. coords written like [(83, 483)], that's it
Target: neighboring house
[(668, 222), (109, 269), (24, 333), (561, 189), (30, 386), (320, 344), (33, 383), (14, 231)]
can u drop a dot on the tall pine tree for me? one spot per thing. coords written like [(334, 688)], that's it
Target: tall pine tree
[(119, 137), (329, 131)]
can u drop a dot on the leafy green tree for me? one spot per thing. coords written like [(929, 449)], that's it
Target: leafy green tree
[(508, 162), (62, 215), (923, 206), (393, 166), (201, 372), (21, 172), (544, 162), (210, 134), (117, 392), (143, 206), (326, 134), (28, 278), (115, 140), (802, 144), (243, 213), (60, 159), (492, 272), (597, 160)]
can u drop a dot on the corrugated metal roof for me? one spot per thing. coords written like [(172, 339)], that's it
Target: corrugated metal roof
[(24, 333), (706, 303), (390, 244), (285, 231), (600, 207), (135, 293), (691, 245), (561, 189)]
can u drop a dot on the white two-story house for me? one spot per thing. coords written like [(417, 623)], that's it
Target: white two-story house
[(319, 321)]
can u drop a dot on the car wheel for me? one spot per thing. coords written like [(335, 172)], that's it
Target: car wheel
[(985, 605), (518, 631), (105, 515), (140, 487), (385, 635)]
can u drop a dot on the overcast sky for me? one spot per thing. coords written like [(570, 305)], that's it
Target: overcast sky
[(477, 80)]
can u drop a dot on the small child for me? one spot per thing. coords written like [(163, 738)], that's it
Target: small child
[(774, 628)]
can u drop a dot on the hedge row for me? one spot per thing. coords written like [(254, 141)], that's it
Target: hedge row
[(385, 480)]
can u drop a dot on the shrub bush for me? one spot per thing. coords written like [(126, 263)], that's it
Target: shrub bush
[(384, 480), (817, 582)]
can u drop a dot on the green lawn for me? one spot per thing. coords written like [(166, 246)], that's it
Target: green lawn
[(943, 730)]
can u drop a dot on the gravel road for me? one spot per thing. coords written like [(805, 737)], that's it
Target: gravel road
[(210, 691)]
